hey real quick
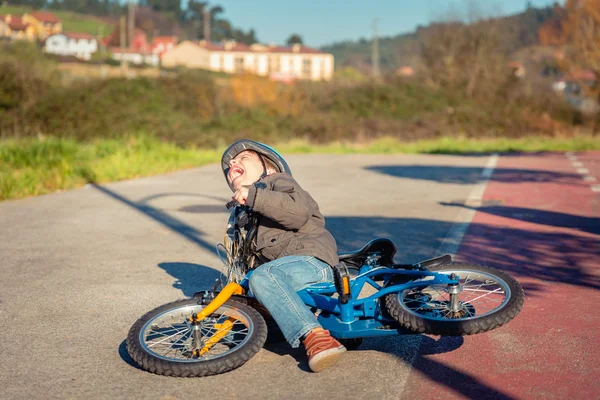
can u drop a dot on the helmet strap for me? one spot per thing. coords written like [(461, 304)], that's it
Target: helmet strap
[(262, 161)]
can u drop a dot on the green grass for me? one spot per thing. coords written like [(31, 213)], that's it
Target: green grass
[(30, 167), (14, 10), (449, 145), (33, 167), (72, 22)]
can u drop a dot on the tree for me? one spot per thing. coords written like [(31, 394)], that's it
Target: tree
[(582, 31), (582, 34), (294, 39)]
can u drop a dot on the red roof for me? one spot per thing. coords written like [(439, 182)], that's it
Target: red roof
[(240, 47), (222, 47), (301, 50), (45, 16), (163, 39), (79, 35), (17, 24)]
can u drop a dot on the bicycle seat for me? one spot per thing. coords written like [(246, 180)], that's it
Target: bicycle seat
[(385, 247)]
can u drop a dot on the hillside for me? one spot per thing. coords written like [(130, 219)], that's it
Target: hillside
[(514, 31), (72, 22)]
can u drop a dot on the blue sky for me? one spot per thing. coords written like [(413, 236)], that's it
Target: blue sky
[(322, 22)]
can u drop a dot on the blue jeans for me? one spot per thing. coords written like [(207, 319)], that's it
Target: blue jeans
[(275, 284)]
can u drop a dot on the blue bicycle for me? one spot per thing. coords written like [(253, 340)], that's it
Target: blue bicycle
[(219, 330)]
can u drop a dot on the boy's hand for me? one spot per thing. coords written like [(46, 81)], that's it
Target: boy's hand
[(241, 195)]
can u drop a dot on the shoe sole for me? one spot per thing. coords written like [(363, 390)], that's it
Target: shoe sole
[(326, 359)]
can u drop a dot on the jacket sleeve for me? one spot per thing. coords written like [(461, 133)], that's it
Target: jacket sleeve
[(285, 202)]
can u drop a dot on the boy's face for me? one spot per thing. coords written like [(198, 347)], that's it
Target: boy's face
[(244, 169)]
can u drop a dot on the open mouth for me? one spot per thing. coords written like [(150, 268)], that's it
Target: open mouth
[(235, 172)]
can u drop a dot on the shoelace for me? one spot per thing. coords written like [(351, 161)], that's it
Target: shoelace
[(318, 341)]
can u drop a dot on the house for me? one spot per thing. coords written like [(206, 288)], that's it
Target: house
[(134, 57), (139, 42), (186, 54), (13, 27), (80, 45), (162, 44), (45, 23), (276, 62)]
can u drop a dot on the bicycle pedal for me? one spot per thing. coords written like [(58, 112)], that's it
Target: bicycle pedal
[(341, 279)]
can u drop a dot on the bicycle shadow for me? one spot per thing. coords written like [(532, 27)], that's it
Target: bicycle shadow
[(403, 347)]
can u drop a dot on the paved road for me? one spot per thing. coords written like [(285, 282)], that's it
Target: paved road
[(539, 221), (78, 268)]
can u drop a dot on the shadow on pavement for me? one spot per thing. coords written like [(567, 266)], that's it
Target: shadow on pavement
[(190, 277), (125, 355), (544, 256), (187, 231), (521, 253), (542, 217), (472, 175)]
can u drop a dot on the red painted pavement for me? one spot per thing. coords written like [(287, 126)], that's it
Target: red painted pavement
[(545, 232)]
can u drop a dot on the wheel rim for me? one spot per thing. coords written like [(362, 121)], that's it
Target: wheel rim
[(168, 335), (481, 294)]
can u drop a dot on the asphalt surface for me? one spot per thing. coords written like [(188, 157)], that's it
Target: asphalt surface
[(540, 222), (78, 268)]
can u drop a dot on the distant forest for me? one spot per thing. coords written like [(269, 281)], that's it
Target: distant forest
[(514, 31)]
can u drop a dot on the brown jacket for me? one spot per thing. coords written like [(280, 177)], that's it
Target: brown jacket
[(290, 222)]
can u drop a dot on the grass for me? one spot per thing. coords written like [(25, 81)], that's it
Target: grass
[(72, 22), (31, 167), (449, 145)]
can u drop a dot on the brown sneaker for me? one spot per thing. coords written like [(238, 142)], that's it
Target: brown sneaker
[(322, 349)]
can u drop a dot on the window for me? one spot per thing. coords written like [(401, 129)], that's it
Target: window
[(274, 64), (306, 68), (239, 63)]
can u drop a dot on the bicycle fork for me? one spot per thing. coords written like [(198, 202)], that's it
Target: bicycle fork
[(221, 330)]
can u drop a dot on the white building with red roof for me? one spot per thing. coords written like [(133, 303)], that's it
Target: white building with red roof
[(276, 62), (80, 45)]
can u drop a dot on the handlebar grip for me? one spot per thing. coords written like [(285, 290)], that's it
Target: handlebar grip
[(231, 204)]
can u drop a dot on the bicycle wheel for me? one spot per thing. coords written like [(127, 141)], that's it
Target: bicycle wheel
[(488, 299), (166, 342)]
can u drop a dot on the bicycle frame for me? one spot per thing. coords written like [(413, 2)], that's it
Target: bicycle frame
[(359, 317)]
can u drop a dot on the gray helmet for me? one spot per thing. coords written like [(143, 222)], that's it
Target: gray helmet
[(262, 149)]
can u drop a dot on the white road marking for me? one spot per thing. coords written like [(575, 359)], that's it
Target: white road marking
[(452, 241), (583, 171)]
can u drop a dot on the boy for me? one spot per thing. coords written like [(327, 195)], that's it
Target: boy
[(293, 241)]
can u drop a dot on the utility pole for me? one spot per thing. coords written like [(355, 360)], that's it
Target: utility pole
[(206, 35), (375, 51), (130, 22), (102, 51), (122, 24)]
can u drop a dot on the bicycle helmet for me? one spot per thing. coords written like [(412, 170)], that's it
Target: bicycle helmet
[(261, 149)]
